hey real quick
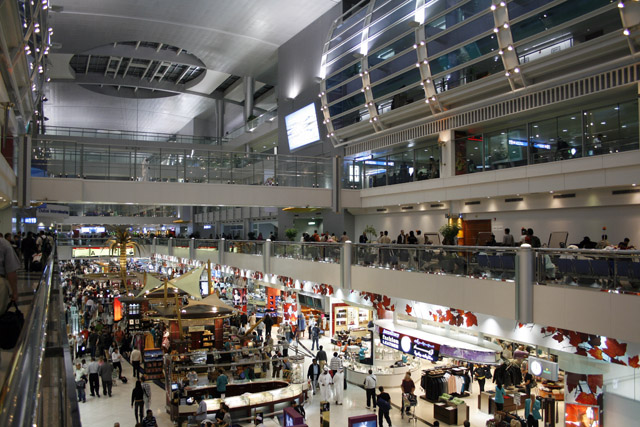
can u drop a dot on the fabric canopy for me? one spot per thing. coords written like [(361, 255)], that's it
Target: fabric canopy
[(188, 282), (213, 300), (152, 283)]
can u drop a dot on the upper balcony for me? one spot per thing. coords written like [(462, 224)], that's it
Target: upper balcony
[(566, 288)]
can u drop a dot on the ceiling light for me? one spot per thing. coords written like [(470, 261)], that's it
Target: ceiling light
[(510, 47), (500, 52), (417, 64), (620, 4), (415, 46), (496, 29), (626, 32), (507, 74), (493, 7), (505, 25), (517, 70), (503, 4)]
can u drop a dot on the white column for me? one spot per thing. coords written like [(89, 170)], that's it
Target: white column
[(525, 268)]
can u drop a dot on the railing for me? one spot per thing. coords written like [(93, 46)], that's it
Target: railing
[(132, 135), (599, 269), (313, 251), (496, 263), (249, 247), (269, 116), (194, 164), (39, 379)]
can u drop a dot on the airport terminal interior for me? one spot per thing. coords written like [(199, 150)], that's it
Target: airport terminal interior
[(319, 213)]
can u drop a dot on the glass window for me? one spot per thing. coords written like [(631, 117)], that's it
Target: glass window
[(376, 172), (466, 53), (569, 144), (395, 83), (344, 90), (402, 13), (521, 7), (628, 136), (544, 142), (392, 49), (554, 41), (402, 62), (554, 16), (348, 27), (405, 97), (348, 59), (460, 35), (469, 154), (468, 74), (401, 168), (347, 104), (350, 118), (427, 162), (354, 41), (506, 149), (343, 75), (456, 16)]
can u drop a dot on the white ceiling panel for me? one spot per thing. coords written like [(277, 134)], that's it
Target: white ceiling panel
[(212, 79)]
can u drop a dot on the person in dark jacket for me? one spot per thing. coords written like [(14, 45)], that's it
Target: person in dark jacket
[(384, 405), (137, 398), (268, 323), (313, 373), (105, 370), (28, 249)]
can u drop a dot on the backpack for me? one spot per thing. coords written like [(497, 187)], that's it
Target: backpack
[(383, 404)]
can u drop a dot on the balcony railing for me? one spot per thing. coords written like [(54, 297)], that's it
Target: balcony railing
[(132, 135), (194, 164), (600, 269), (251, 125)]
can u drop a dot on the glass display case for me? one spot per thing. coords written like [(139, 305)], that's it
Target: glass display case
[(297, 369)]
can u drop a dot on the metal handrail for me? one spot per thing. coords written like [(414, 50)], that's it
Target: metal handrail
[(21, 397)]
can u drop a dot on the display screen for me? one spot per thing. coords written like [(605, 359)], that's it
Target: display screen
[(410, 345), (302, 127)]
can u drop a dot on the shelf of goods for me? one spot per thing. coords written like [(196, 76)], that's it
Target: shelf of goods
[(153, 364)]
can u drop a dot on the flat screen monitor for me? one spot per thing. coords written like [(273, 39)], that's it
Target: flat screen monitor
[(302, 127)]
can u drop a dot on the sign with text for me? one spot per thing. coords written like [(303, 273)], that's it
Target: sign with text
[(407, 344), (91, 252)]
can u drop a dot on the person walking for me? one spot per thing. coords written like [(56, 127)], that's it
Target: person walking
[(336, 363), (116, 359), (137, 399), (370, 389), (338, 385), (81, 382), (268, 324), (408, 387), (221, 383), (499, 398), (105, 370), (322, 358), (384, 405), (146, 387), (315, 337), (136, 359), (94, 377), (149, 420), (313, 373), (325, 382)]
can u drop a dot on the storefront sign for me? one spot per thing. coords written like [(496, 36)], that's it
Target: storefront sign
[(410, 345), (468, 355), (197, 328), (543, 368)]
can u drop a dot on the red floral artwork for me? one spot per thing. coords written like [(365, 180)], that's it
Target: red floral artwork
[(455, 317), (408, 309), (323, 289)]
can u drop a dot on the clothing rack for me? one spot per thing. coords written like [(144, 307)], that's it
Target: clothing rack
[(435, 382)]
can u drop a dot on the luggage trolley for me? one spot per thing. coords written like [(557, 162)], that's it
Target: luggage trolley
[(410, 401)]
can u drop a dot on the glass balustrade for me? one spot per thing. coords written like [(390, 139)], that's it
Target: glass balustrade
[(249, 247), (132, 135), (598, 269), (311, 251), (71, 159)]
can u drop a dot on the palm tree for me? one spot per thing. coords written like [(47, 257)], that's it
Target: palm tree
[(118, 243)]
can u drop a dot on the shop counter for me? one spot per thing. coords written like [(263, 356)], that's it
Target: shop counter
[(242, 398), (450, 414), (387, 376), (512, 403)]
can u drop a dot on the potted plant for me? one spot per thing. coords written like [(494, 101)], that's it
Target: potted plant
[(449, 233), (371, 233), (291, 233)]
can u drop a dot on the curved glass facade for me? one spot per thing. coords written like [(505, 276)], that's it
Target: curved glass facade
[(398, 52)]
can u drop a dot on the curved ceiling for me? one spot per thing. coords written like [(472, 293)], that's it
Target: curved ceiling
[(229, 38)]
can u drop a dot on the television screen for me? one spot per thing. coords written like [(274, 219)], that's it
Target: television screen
[(302, 127)]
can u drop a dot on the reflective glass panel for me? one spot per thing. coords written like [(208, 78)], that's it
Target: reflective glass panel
[(344, 90), (395, 83), (400, 63), (454, 17), (466, 32), (392, 49), (427, 162), (520, 7), (469, 154), (466, 53)]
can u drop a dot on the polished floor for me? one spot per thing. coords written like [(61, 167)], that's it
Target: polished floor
[(105, 411)]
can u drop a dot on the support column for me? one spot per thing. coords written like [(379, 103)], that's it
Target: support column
[(170, 246), (524, 284), (249, 89), (419, 323), (154, 242), (447, 154), (192, 248), (345, 265), (266, 257), (221, 245), (219, 119), (24, 173)]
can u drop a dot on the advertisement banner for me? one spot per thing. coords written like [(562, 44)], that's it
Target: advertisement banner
[(407, 344), (95, 252)]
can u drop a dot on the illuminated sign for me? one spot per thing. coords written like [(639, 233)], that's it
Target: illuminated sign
[(410, 345), (30, 221), (94, 252), (207, 227), (543, 368), (520, 143), (117, 310)]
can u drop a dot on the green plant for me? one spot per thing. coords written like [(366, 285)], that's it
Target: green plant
[(370, 231), (449, 233), (291, 233)]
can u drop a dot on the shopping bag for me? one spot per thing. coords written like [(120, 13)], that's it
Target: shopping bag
[(11, 323)]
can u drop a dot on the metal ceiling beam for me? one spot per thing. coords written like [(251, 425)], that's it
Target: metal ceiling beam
[(129, 51), (182, 76), (146, 70), (127, 68), (115, 74), (106, 70), (137, 45), (159, 47), (165, 71), (86, 70)]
